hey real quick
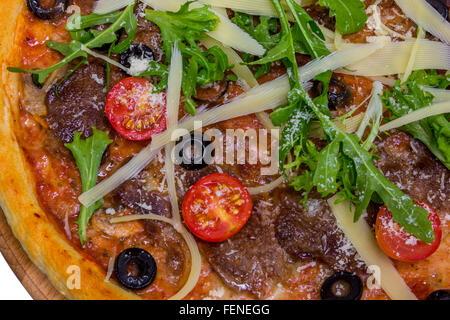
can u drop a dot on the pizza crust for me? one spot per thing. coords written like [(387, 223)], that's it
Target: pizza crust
[(46, 246)]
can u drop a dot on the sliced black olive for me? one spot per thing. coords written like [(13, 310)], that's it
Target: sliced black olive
[(138, 51), (342, 286), (192, 152), (213, 91), (440, 7), (339, 93), (135, 268), (35, 80), (54, 12), (440, 295)]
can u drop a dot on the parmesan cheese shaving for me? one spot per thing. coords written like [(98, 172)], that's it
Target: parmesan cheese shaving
[(261, 98), (196, 258), (422, 13), (173, 104), (111, 265), (106, 6), (266, 188), (394, 57), (433, 110), (413, 56), (253, 7), (226, 32), (105, 58), (241, 70), (440, 95), (363, 239)]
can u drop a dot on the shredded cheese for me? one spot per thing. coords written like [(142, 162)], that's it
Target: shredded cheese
[(173, 104), (440, 95), (413, 56), (241, 70), (253, 7), (433, 110), (226, 32), (363, 239), (266, 188), (261, 98), (422, 13), (393, 58), (105, 58), (111, 265)]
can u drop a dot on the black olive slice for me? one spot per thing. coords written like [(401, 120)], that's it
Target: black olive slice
[(139, 51), (192, 152), (342, 286), (440, 7), (212, 92), (339, 93), (440, 295), (142, 262), (56, 11)]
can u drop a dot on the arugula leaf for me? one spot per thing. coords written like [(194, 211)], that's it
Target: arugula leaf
[(186, 27), (350, 14), (434, 131), (88, 155), (344, 161), (90, 39)]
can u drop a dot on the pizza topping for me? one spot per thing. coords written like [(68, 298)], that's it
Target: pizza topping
[(217, 207), (135, 268), (192, 152), (401, 245), (226, 32), (342, 286), (412, 110), (77, 104), (134, 110), (137, 58), (361, 236), (440, 7), (440, 295), (88, 156), (427, 17), (310, 231), (59, 7)]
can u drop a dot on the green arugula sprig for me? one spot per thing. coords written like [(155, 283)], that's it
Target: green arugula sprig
[(186, 27), (350, 14), (344, 163), (404, 98), (305, 34), (90, 39), (88, 155)]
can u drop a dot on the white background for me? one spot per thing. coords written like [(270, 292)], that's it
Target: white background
[(10, 286)]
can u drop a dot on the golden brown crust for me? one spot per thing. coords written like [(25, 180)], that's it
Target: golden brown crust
[(45, 245)]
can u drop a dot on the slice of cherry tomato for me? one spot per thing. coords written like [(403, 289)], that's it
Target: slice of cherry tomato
[(401, 245), (134, 111), (217, 207)]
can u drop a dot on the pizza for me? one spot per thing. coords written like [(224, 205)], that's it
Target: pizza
[(229, 149)]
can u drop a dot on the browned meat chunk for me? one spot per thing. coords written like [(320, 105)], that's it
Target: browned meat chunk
[(135, 196), (79, 104), (252, 260), (410, 165), (313, 233)]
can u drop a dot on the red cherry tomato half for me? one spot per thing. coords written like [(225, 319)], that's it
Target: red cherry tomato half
[(217, 207), (401, 245), (134, 111)]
